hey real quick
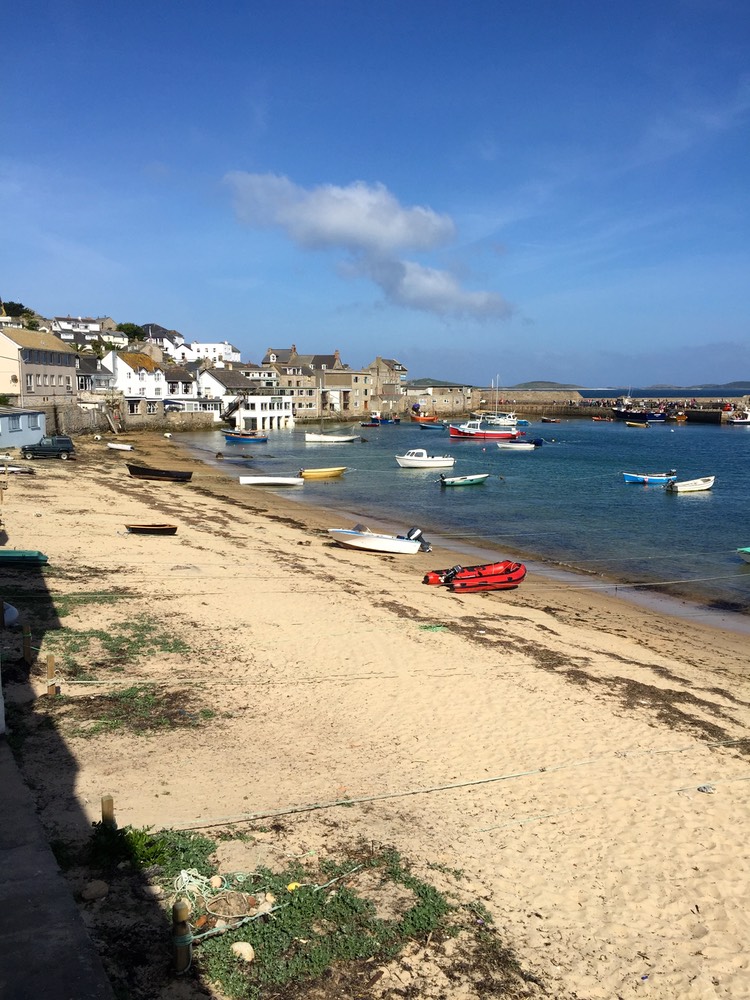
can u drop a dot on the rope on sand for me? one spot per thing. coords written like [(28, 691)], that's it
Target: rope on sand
[(315, 806)]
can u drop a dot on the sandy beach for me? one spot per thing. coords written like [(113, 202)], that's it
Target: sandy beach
[(580, 759)]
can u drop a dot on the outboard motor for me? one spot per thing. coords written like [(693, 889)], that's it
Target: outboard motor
[(416, 533)]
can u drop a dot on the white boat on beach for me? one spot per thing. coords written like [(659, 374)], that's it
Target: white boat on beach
[(691, 485), (360, 537), (418, 458), (117, 446), (271, 481)]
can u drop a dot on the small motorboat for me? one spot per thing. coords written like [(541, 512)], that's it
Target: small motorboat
[(503, 575), (272, 481), (332, 473), (418, 458), (370, 423), (691, 485), (437, 426), (741, 418), (550, 420), (118, 446), (463, 480), (744, 554), (475, 430), (360, 537), (652, 478), (152, 529), (331, 438)]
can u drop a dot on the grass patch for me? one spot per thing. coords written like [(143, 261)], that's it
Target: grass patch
[(142, 708), (122, 643)]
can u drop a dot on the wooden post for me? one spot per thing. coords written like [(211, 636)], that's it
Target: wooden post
[(51, 686), (27, 645), (182, 938), (108, 812)]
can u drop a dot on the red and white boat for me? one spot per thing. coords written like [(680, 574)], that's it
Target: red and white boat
[(473, 430), (475, 579)]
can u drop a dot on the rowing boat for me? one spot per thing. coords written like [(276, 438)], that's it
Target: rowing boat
[(332, 473), (152, 529), (463, 480)]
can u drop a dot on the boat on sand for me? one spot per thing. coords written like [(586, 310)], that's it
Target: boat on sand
[(163, 475), (272, 481), (360, 537), (505, 575), (152, 529)]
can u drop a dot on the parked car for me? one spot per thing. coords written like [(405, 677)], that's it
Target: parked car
[(56, 446)]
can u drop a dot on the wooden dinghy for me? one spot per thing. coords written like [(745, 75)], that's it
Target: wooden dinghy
[(152, 529), (164, 475)]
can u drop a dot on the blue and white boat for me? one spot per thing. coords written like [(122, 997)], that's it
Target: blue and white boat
[(651, 478)]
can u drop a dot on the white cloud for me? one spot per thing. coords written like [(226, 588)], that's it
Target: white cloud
[(372, 227), (416, 287)]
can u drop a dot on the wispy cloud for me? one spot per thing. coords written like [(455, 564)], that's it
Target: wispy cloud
[(369, 224)]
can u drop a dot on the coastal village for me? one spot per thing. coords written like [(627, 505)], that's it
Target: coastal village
[(85, 374)]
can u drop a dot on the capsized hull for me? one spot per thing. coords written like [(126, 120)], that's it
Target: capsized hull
[(272, 481)]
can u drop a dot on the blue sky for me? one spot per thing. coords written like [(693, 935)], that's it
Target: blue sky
[(530, 189)]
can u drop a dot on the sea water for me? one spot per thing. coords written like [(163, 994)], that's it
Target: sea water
[(565, 504)]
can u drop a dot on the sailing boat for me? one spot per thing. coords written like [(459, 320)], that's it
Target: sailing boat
[(500, 419), (321, 438)]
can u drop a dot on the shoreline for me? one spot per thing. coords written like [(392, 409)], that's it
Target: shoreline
[(673, 598), (548, 744)]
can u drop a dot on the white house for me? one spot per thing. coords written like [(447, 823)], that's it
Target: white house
[(250, 405), (218, 354), (140, 379)]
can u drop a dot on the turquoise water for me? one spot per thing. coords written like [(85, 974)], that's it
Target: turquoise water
[(564, 504)]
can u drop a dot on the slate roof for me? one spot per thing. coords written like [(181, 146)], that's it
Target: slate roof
[(230, 379), (36, 340)]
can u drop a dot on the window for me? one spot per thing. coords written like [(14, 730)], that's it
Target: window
[(29, 383), (142, 391), (34, 422), (68, 383), (14, 423), (46, 379), (59, 379), (157, 392), (150, 407)]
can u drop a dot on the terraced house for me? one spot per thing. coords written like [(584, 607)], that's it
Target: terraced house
[(36, 368)]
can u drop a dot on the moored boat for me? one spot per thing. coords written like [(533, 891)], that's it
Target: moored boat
[(424, 419), (503, 575), (653, 478), (418, 458), (474, 430), (245, 437), (636, 423), (360, 537), (331, 438), (740, 419), (517, 445), (480, 477), (165, 475), (152, 529), (550, 420), (330, 473), (691, 485)]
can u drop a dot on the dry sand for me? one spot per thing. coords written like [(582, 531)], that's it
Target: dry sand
[(549, 742)]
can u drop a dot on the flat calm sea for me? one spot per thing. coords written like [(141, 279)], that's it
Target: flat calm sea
[(563, 505)]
